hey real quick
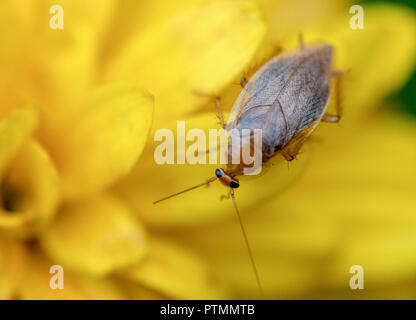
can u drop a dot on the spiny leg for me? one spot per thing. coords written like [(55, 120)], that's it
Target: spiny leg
[(217, 100), (334, 118), (292, 149), (220, 114), (243, 81)]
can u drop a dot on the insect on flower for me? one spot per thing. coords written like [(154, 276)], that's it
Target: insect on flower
[(286, 99)]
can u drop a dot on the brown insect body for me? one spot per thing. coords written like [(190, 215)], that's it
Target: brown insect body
[(286, 98)]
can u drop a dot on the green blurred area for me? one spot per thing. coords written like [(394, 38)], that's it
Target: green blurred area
[(406, 97)]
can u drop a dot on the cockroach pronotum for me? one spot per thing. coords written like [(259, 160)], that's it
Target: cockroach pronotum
[(286, 98)]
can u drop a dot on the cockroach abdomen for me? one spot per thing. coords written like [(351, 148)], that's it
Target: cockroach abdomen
[(286, 98)]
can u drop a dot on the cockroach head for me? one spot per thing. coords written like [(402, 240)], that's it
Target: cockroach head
[(226, 179)]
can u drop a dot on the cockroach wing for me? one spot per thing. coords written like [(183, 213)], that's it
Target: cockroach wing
[(287, 95)]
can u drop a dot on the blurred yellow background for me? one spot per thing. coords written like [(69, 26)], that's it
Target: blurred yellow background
[(78, 110)]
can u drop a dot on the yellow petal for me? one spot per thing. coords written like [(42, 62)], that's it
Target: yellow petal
[(371, 200), (35, 283), (12, 262), (104, 142), (151, 181), (136, 291), (70, 55), (173, 272), (191, 51), (287, 246), (30, 191), (363, 188), (95, 237), (286, 17), (14, 131), (386, 253), (46, 65), (131, 16)]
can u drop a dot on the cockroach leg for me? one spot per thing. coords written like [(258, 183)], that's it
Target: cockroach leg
[(338, 103), (220, 115), (338, 73), (330, 118), (243, 81), (288, 156), (292, 149), (217, 100)]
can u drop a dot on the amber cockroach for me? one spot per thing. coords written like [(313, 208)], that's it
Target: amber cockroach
[(286, 98)]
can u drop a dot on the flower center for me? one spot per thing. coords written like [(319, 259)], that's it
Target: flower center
[(10, 197)]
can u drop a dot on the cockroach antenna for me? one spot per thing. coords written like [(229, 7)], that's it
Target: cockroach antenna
[(250, 253), (186, 190), (224, 178)]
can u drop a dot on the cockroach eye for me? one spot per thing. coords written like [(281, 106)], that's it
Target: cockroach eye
[(234, 184), (219, 173)]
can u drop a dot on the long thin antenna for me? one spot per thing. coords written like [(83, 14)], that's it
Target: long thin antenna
[(186, 190), (253, 264)]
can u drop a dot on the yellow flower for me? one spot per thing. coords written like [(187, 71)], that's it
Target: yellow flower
[(74, 119), (78, 178), (301, 238)]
